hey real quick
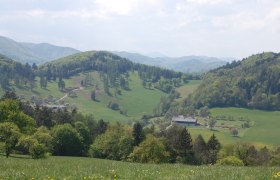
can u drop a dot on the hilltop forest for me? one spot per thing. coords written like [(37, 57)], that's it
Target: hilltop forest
[(253, 82)]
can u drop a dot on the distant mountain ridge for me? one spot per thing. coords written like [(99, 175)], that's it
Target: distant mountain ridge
[(187, 64), (31, 52)]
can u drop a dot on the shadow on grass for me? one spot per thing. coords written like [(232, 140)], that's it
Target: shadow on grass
[(16, 156)]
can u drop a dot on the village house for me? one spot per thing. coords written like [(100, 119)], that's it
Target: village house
[(186, 121)]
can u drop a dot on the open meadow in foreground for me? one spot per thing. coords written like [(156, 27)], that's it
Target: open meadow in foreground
[(22, 167)]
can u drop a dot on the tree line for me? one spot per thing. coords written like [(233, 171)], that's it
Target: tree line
[(39, 131)]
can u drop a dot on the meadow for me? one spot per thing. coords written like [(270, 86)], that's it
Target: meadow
[(137, 101), (264, 130), (22, 167)]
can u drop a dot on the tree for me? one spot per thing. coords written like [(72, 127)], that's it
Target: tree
[(101, 126), (116, 143), (144, 83), (200, 149), (85, 134), (151, 150), (204, 112), (212, 122), (66, 141), (234, 132), (10, 112), (213, 147), (93, 95), (137, 133), (9, 135), (184, 147)]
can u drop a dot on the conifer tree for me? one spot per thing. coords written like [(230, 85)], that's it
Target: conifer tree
[(138, 133), (213, 147)]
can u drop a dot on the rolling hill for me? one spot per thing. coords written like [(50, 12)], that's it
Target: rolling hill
[(252, 83), (114, 80), (32, 53), (187, 64)]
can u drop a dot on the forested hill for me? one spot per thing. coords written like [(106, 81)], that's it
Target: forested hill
[(253, 82), (105, 62)]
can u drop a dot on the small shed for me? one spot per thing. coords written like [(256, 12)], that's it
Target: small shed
[(187, 121)]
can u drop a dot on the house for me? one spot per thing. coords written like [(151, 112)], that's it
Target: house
[(56, 107), (187, 121)]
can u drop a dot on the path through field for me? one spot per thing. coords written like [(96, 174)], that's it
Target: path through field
[(66, 94)]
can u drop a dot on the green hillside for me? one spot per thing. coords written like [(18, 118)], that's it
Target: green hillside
[(264, 130), (114, 80), (21, 167), (252, 82)]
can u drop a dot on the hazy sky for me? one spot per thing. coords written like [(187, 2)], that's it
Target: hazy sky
[(222, 28)]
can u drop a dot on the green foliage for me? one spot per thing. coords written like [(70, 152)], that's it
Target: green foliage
[(151, 150), (10, 112), (137, 133), (66, 141), (38, 151), (42, 135), (93, 95), (113, 105), (213, 147), (116, 143), (212, 122), (200, 150), (234, 132), (9, 135), (230, 161), (85, 134), (252, 82)]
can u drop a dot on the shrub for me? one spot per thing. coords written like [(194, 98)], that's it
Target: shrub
[(38, 151), (230, 161)]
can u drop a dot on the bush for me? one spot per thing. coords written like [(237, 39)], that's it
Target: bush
[(230, 161), (113, 105), (151, 150), (38, 151)]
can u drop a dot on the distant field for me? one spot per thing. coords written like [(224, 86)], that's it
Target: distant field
[(188, 88), (137, 101), (265, 129), (21, 167)]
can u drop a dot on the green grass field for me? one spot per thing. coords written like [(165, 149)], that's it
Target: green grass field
[(265, 129), (188, 88), (138, 101), (21, 167)]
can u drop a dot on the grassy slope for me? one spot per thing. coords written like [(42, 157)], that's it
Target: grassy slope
[(188, 89), (89, 168), (138, 101), (265, 130)]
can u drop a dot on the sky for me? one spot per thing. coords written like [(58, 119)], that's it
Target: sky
[(219, 28)]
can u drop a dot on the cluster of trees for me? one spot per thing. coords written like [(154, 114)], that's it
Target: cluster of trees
[(248, 155), (114, 72), (114, 69), (175, 144), (252, 82), (22, 74), (41, 130)]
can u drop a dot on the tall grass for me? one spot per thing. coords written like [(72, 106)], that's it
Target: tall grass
[(22, 167)]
